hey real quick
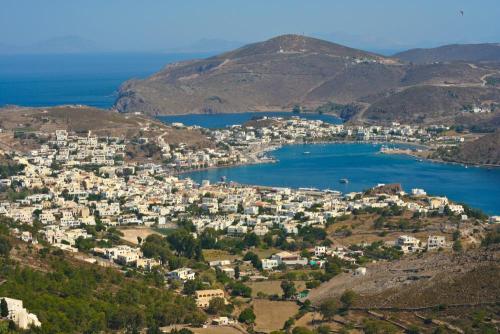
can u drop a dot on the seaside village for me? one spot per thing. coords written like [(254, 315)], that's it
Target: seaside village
[(78, 193), (245, 144)]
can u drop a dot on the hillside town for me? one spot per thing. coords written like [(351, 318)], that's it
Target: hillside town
[(78, 193)]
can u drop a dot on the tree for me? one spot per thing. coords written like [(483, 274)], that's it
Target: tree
[(185, 331), (252, 257), (240, 289), (288, 288), (247, 316), (302, 330), (216, 305), (251, 240), (348, 298), (379, 222), (5, 246), (184, 244), (154, 329), (324, 329), (457, 246), (208, 238), (4, 310), (328, 309), (413, 330), (333, 267), (288, 324), (237, 272), (371, 326), (192, 285), (181, 331)]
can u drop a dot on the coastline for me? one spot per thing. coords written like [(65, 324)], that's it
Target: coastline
[(441, 161), (254, 159)]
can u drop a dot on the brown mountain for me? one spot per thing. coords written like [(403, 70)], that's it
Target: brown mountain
[(271, 75), (296, 70), (453, 52)]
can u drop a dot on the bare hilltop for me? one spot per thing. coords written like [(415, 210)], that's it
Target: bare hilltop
[(296, 71)]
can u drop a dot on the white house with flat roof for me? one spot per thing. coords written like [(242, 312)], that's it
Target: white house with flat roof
[(19, 315)]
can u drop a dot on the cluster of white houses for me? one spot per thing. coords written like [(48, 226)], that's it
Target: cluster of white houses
[(65, 199), (73, 182)]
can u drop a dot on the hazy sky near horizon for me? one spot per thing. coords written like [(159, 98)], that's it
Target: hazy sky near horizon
[(166, 24)]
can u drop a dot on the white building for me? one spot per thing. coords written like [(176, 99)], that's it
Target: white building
[(19, 315), (408, 244), (268, 264), (360, 271), (494, 219), (435, 242), (418, 192), (320, 250), (182, 274), (289, 258)]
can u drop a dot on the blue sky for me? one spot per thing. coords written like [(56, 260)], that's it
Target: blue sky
[(147, 25)]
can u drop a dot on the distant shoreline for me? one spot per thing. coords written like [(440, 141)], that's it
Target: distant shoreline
[(402, 152), (262, 111)]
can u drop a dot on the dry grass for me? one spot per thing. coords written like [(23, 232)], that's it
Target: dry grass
[(272, 287), (216, 330), (216, 254), (271, 315), (131, 234), (362, 228), (313, 320), (208, 330), (265, 253)]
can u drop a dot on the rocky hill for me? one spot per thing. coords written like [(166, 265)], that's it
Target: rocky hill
[(433, 104), (431, 279), (296, 70), (454, 52), (482, 151)]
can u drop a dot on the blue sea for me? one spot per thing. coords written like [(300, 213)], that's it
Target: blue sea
[(90, 79), (365, 167)]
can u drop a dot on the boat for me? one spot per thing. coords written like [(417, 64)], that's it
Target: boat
[(345, 181), (306, 152)]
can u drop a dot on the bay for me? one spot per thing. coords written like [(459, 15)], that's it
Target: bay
[(365, 167)]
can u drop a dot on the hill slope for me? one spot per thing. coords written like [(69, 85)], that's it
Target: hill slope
[(461, 278), (271, 75), (484, 151), (453, 52), (287, 70), (81, 119)]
